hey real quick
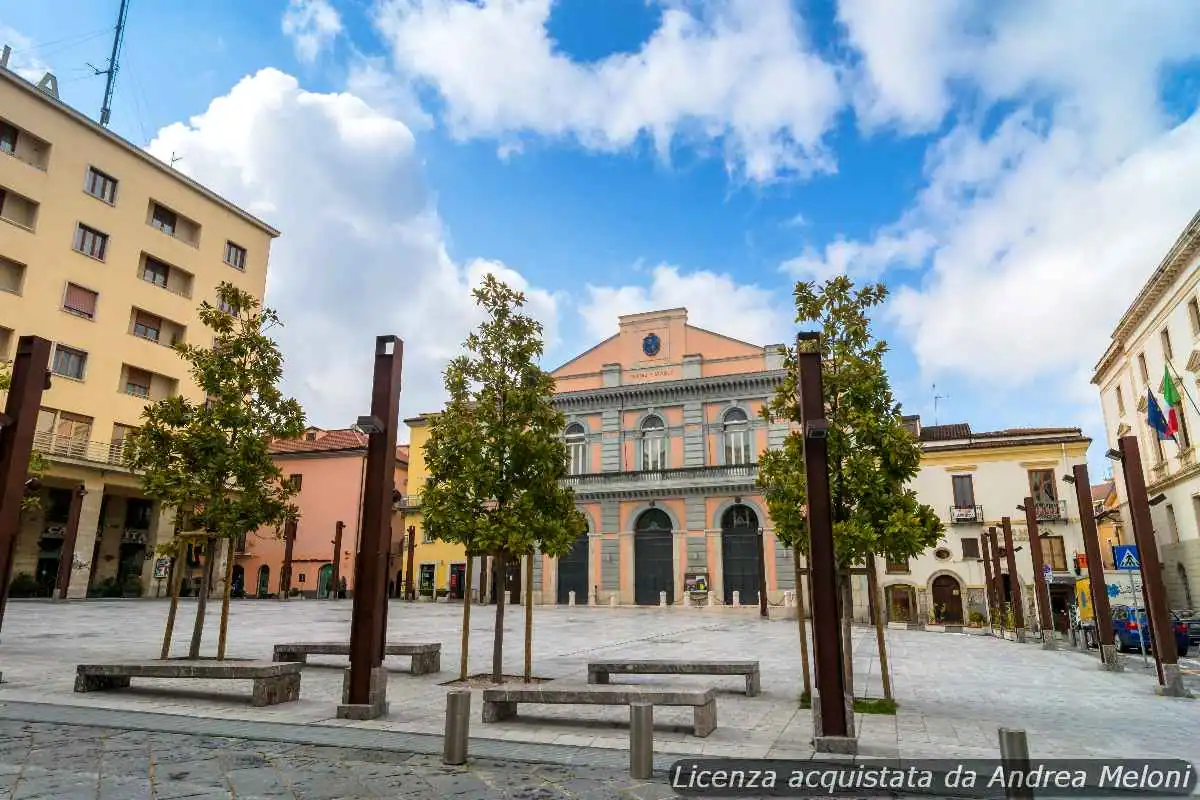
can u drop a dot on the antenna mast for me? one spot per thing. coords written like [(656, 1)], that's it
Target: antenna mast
[(113, 64), (936, 398)]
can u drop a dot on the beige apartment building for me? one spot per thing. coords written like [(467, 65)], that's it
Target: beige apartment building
[(107, 252)]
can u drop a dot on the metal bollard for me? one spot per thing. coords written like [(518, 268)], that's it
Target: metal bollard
[(571, 598), (712, 599), (662, 599), (458, 725), (1014, 755), (641, 740)]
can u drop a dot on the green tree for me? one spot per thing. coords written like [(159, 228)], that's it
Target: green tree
[(210, 460), (37, 462), (872, 456), (495, 455)]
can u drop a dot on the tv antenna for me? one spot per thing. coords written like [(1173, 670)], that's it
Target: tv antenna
[(936, 398), (175, 158), (113, 64)]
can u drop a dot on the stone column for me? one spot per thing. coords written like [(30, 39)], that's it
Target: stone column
[(85, 541), (716, 575)]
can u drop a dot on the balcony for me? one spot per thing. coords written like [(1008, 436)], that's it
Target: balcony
[(70, 448), (1050, 510), (742, 477), (966, 515)]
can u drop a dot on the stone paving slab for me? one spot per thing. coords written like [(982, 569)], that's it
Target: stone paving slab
[(954, 690)]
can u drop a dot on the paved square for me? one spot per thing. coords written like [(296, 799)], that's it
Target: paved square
[(954, 690)]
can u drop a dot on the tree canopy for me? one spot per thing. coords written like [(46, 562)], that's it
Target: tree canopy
[(872, 456)]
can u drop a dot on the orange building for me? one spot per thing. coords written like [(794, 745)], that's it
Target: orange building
[(328, 467)]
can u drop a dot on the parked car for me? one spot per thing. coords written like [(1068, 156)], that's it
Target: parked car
[(1193, 625), (1131, 628)]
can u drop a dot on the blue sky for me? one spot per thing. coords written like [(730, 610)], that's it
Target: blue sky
[(1012, 171)]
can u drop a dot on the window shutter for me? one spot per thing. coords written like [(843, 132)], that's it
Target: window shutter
[(81, 300)]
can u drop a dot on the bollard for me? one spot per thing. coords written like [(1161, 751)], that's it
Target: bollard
[(612, 601), (712, 599), (641, 740), (571, 598), (1014, 755), (737, 599), (458, 725), (662, 599)]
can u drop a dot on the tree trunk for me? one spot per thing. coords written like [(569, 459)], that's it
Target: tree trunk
[(202, 599), (803, 625), (223, 635), (875, 603), (466, 619), (847, 631), (501, 561), (528, 617), (176, 581)]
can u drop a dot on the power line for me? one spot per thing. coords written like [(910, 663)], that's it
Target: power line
[(76, 39), (114, 64)]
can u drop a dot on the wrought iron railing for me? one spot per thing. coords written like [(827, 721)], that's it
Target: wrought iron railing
[(960, 515), (746, 471), (1050, 510), (52, 445)]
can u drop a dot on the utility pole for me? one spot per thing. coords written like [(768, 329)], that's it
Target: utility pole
[(833, 720), (114, 64), (18, 424)]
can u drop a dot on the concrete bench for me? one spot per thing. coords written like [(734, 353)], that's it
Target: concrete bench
[(426, 656), (273, 683), (500, 703), (598, 671)]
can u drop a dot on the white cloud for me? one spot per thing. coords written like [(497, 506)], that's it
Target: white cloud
[(363, 251), (23, 58), (370, 79), (312, 25), (714, 301), (1056, 191), (738, 73)]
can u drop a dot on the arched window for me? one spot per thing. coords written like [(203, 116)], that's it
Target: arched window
[(737, 437), (577, 454), (654, 443)]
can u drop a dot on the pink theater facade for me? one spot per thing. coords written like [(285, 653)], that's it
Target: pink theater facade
[(663, 430)]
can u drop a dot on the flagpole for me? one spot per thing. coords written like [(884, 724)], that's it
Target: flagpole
[(1186, 393)]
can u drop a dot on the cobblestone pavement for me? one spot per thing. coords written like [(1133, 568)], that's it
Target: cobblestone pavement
[(61, 762), (954, 690)]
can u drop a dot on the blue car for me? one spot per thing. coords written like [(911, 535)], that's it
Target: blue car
[(1131, 628)]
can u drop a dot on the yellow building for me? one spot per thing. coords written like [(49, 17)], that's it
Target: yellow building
[(436, 564), (107, 252)]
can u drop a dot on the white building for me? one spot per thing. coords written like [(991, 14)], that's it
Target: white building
[(973, 480), (1161, 330)]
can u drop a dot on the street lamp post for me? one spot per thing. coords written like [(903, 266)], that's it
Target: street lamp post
[(1161, 631), (1101, 612), (364, 691), (1041, 592), (1014, 580), (833, 715), (29, 378)]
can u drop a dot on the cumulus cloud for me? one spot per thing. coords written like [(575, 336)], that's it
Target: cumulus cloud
[(312, 25), (737, 73), (363, 250), (714, 301), (23, 58)]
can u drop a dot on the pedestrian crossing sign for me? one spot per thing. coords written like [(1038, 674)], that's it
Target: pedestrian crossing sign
[(1125, 556)]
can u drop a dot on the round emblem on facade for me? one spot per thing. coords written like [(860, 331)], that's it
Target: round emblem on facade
[(651, 344)]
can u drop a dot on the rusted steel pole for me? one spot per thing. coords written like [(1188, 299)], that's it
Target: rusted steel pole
[(336, 578), (285, 573), (997, 575), (1162, 632), (1014, 577), (66, 557), (988, 584), (826, 615), (1040, 590), (409, 590), (1101, 610), (369, 617), (29, 378)]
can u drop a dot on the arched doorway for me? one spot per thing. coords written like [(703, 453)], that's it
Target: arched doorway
[(740, 565), (653, 558), (946, 593), (237, 583), (264, 580), (573, 572), (324, 577)]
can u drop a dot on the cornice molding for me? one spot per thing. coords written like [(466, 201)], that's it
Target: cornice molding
[(670, 392)]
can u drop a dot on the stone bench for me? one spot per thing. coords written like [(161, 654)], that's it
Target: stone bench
[(500, 703), (273, 683), (426, 656), (598, 671)]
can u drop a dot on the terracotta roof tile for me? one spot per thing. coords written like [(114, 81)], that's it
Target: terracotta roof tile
[(942, 433), (324, 441), (1026, 432), (1101, 491)]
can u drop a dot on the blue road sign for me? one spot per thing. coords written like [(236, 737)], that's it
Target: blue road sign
[(1125, 556), (1114, 590), (1046, 570)]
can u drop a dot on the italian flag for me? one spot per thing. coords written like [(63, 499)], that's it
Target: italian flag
[(1171, 398)]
